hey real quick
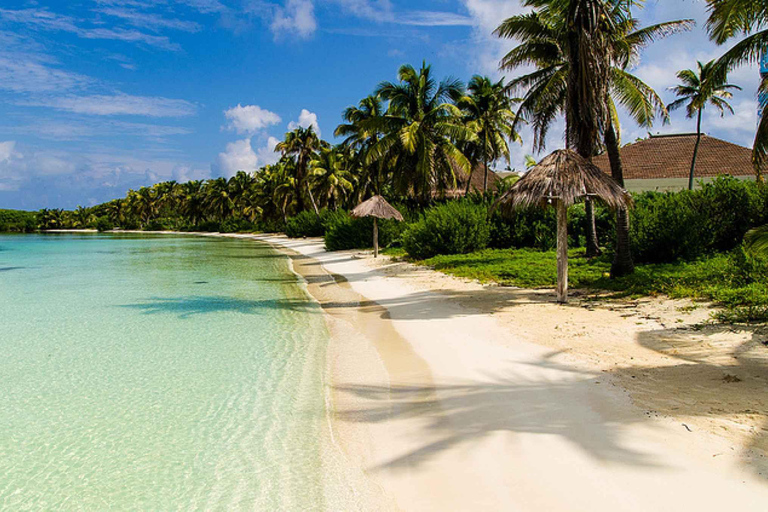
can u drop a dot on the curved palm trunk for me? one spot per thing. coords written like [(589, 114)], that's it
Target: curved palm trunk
[(312, 198), (695, 151), (593, 246), (622, 259)]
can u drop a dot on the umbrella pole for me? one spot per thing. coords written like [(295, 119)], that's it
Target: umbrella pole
[(375, 237), (562, 252)]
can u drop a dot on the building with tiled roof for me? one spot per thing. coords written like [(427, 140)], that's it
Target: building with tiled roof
[(663, 162)]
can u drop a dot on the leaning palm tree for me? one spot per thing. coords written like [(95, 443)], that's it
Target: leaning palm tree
[(360, 137), (564, 177), (697, 89), (544, 43), (488, 113), (301, 143), (420, 131), (733, 18)]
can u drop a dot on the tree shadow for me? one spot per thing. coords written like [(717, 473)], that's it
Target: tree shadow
[(452, 415), (186, 307)]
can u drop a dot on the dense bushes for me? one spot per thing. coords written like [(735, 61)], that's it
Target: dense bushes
[(456, 227), (17, 221), (683, 225), (342, 232), (306, 223)]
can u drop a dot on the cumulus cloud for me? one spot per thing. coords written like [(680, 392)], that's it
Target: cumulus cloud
[(185, 173), (267, 155), (295, 17), (120, 104), (306, 119), (249, 118), (238, 156)]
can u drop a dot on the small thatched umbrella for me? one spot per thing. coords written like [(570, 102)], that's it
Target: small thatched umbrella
[(564, 177), (378, 208)]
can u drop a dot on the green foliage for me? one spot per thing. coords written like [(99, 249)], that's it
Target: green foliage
[(343, 232), (103, 224), (737, 281), (305, 224), (456, 227), (689, 224), (232, 225), (17, 221)]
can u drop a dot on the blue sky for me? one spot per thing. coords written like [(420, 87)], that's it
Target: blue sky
[(99, 96)]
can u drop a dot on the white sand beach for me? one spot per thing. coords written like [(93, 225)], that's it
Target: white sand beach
[(450, 395)]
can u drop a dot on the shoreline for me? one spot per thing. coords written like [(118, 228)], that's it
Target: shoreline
[(447, 394)]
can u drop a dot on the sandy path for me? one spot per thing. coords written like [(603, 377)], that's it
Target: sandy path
[(452, 410)]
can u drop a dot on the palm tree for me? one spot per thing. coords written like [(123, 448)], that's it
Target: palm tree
[(219, 202), (732, 18), (544, 43), (116, 211), (488, 113), (82, 217), (330, 177), (360, 137), (192, 201), (239, 188), (698, 88), (301, 143), (143, 204), (420, 131)]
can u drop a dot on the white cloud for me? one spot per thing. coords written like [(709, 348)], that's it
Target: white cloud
[(267, 155), (46, 20), (306, 119), (184, 173), (24, 73), (434, 19), (297, 16), (250, 118), (238, 156), (120, 104), (150, 21), (6, 150)]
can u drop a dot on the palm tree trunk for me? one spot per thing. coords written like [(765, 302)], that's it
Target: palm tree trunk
[(622, 259), (469, 180), (485, 164), (695, 151), (312, 198), (562, 252), (593, 247)]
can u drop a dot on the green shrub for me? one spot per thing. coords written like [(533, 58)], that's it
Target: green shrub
[(306, 223), (232, 225), (456, 227), (343, 232), (103, 224), (17, 221)]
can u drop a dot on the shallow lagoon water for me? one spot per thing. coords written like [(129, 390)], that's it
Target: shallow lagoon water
[(157, 372)]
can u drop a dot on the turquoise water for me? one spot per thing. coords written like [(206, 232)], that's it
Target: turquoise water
[(157, 372)]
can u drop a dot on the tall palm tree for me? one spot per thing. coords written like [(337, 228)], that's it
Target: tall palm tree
[(544, 43), (420, 131), (239, 190), (748, 18), (360, 136), (192, 201), (487, 111), (219, 202), (330, 177), (143, 204), (301, 144), (697, 89)]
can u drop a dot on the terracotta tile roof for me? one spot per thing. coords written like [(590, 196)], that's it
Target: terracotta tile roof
[(669, 156)]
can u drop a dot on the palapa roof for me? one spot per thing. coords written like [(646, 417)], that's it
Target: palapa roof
[(564, 175), (378, 207), (669, 156), (476, 180)]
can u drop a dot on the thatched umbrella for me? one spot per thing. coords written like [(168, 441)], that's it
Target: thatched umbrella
[(378, 208), (563, 178)]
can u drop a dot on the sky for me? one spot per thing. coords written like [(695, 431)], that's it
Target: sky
[(101, 96)]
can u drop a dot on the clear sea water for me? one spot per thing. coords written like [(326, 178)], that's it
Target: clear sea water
[(157, 373)]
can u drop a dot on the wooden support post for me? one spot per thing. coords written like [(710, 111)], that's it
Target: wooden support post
[(375, 237), (562, 252)]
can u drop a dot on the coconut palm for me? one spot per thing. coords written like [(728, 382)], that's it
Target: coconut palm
[(330, 177), (487, 111), (420, 131), (699, 88), (301, 144), (218, 201), (115, 210), (192, 200), (734, 18), (544, 43), (360, 136), (143, 204), (239, 188)]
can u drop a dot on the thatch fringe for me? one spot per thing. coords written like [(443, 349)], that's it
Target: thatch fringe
[(377, 207), (564, 175)]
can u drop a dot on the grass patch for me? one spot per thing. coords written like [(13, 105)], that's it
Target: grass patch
[(737, 282)]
